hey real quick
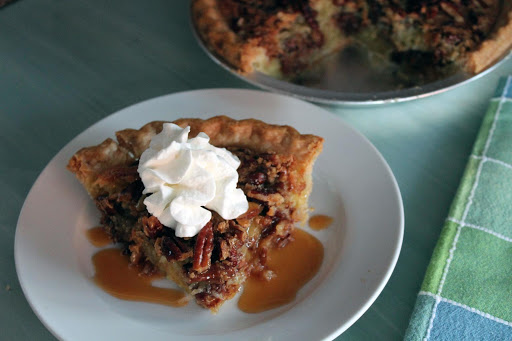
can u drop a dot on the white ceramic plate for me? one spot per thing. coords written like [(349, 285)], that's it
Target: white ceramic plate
[(353, 184)]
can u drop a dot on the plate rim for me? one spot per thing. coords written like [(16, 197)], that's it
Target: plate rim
[(365, 306)]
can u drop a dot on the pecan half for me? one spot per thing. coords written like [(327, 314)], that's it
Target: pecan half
[(203, 249)]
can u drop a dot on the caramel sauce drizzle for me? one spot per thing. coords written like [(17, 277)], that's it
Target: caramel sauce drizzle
[(116, 276), (98, 237), (293, 266), (320, 222)]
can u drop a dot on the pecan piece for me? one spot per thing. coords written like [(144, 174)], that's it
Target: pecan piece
[(253, 210), (222, 226), (152, 226), (432, 12), (217, 273), (173, 248), (485, 3), (203, 249), (257, 178), (207, 300), (135, 253), (105, 205), (224, 250), (452, 11)]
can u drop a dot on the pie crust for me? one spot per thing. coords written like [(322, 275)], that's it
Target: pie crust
[(496, 46), (275, 174)]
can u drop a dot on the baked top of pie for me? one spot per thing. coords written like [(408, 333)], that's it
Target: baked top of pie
[(275, 174), (282, 38)]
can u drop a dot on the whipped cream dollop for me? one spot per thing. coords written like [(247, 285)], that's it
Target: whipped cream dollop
[(185, 176)]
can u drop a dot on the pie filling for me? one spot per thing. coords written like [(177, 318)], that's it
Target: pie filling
[(282, 38), (213, 265)]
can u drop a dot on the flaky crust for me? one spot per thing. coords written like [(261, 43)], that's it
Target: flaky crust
[(215, 32), (227, 132), (223, 131), (496, 46), (89, 162)]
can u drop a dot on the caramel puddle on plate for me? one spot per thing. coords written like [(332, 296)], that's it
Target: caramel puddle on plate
[(116, 276), (320, 222), (98, 237), (293, 266)]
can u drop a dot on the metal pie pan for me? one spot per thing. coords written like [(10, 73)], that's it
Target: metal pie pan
[(350, 77)]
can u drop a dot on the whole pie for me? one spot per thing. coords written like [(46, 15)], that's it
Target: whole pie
[(275, 174), (283, 37)]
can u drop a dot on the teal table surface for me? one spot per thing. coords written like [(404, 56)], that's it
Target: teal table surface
[(65, 64)]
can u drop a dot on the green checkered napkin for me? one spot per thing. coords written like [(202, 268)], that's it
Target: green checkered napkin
[(467, 290)]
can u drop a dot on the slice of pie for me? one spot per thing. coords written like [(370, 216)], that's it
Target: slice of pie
[(282, 38), (275, 174)]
